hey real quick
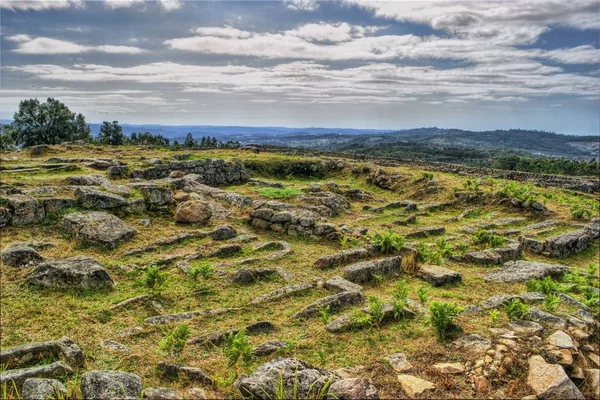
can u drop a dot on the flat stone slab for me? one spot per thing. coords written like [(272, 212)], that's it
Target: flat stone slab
[(525, 328), (21, 257), (171, 318), (107, 385), (334, 302), (18, 376), (549, 381), (284, 292), (399, 362), (448, 368), (270, 347), (342, 258), (561, 340), (439, 276), (217, 338), (192, 373), (98, 228), (544, 318), (364, 271), (425, 232), (473, 343), (414, 386), (97, 199), (339, 284), (79, 272), (522, 271)]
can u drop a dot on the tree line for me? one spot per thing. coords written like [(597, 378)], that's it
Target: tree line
[(52, 122)]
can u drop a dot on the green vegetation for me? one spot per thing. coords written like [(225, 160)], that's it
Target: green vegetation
[(551, 302), (515, 309), (488, 238), (388, 242), (376, 309), (442, 318), (237, 345), (545, 285), (423, 294), (494, 315), (204, 270), (155, 279), (275, 193), (175, 342)]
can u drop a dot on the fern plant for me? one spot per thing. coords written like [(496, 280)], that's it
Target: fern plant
[(376, 309), (237, 345), (155, 279), (325, 314), (204, 270), (388, 242), (442, 318), (551, 302), (423, 294), (494, 315), (175, 342), (515, 309)]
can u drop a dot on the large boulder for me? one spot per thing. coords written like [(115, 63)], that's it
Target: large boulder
[(156, 195), (87, 180), (364, 271), (438, 276), (21, 256), (81, 273), (24, 210), (97, 228), (92, 198), (549, 381), (39, 388), (289, 376), (196, 212), (108, 385)]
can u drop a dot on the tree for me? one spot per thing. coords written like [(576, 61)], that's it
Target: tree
[(111, 134), (6, 140), (47, 123), (190, 141)]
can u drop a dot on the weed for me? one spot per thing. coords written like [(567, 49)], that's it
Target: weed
[(376, 309), (361, 320), (442, 318), (348, 242), (378, 279), (578, 212), (204, 269), (388, 242), (551, 302), (546, 285), (237, 345), (155, 279), (515, 309), (488, 238), (324, 314), (423, 294), (494, 315), (175, 342)]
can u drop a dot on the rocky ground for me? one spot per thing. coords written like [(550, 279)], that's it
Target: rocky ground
[(132, 272)]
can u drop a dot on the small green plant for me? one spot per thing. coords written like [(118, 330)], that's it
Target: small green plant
[(175, 342), (592, 275), (155, 279), (348, 242), (515, 309), (427, 175), (376, 309), (445, 249), (237, 345), (545, 285), (488, 238), (361, 320), (426, 254), (551, 302), (442, 318), (204, 270), (276, 193), (494, 315), (423, 294), (378, 279), (578, 212), (324, 314), (400, 300), (388, 242)]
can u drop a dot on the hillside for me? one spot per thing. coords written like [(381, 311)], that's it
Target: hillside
[(233, 273)]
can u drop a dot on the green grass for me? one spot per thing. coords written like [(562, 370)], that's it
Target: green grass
[(275, 193)]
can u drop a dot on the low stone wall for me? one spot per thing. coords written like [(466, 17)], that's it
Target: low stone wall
[(210, 171)]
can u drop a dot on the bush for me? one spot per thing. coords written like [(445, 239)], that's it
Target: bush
[(204, 269), (423, 294), (388, 242), (175, 342), (488, 238), (155, 279), (376, 307), (275, 193), (442, 318), (237, 345), (578, 212), (515, 309), (361, 320)]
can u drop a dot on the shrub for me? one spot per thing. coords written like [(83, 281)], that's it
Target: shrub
[(376, 307), (400, 299), (347, 242), (423, 294), (175, 342), (361, 320), (551, 302), (426, 254), (204, 269), (388, 242), (515, 309), (276, 193), (546, 285), (488, 238), (237, 345), (444, 248), (592, 275), (442, 318), (578, 212), (494, 315), (155, 279)]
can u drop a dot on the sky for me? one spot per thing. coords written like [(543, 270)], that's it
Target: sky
[(476, 65)]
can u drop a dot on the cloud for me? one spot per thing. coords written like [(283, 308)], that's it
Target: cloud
[(302, 5), (577, 55), (226, 32), (170, 5), (324, 32), (39, 5), (42, 45), (116, 4)]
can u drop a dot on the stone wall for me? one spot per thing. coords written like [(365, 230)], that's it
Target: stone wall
[(210, 171)]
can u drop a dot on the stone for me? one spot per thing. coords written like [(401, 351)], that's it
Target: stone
[(193, 212), (560, 340), (88, 180), (339, 284), (284, 292), (439, 276), (522, 271), (414, 386), (567, 243), (269, 347), (474, 343), (297, 378), (364, 271), (42, 389), (595, 359), (562, 356), (99, 164), (549, 381), (21, 256), (448, 368), (525, 328), (97, 199), (340, 324), (565, 298), (117, 171), (218, 337), (482, 385), (156, 196), (55, 370), (180, 317), (544, 318), (592, 382), (226, 250), (352, 389), (116, 346), (425, 232), (145, 222), (335, 303), (223, 232), (196, 394), (399, 362), (194, 374), (98, 228), (64, 347), (107, 385), (55, 205), (162, 393), (24, 210), (79, 273), (498, 300), (247, 276), (342, 258)]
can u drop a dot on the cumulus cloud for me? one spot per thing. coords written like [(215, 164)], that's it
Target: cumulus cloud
[(42, 45), (40, 5), (324, 32), (302, 5), (576, 55), (170, 5)]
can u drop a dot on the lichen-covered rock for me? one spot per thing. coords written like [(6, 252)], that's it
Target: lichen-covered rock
[(341, 258), (156, 195), (559, 246), (54, 205), (352, 389), (18, 376), (270, 347), (223, 232), (438, 276), (549, 381), (194, 212), (522, 271), (162, 393), (40, 388), (335, 303), (24, 210), (299, 379), (98, 228), (118, 172), (21, 256), (284, 292), (339, 284), (108, 385), (544, 318), (425, 232), (364, 271), (88, 180), (81, 273), (474, 343), (92, 198)]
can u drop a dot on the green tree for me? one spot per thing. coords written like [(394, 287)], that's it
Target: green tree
[(6, 140), (111, 134), (190, 141), (47, 123)]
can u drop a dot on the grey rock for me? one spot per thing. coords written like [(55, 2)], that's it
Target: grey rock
[(217, 338), (79, 272), (439, 276), (342, 258), (549, 381), (97, 228), (21, 256), (525, 328), (24, 210), (340, 324), (192, 373), (223, 232), (108, 385), (352, 389), (335, 303), (337, 283), (300, 380), (226, 250), (246, 276), (269, 347), (118, 172), (64, 347), (364, 271), (156, 195), (425, 232), (284, 292), (544, 318), (162, 393), (87, 180), (92, 198), (474, 344), (565, 298), (18, 376), (498, 300), (522, 271), (170, 318), (40, 388)]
